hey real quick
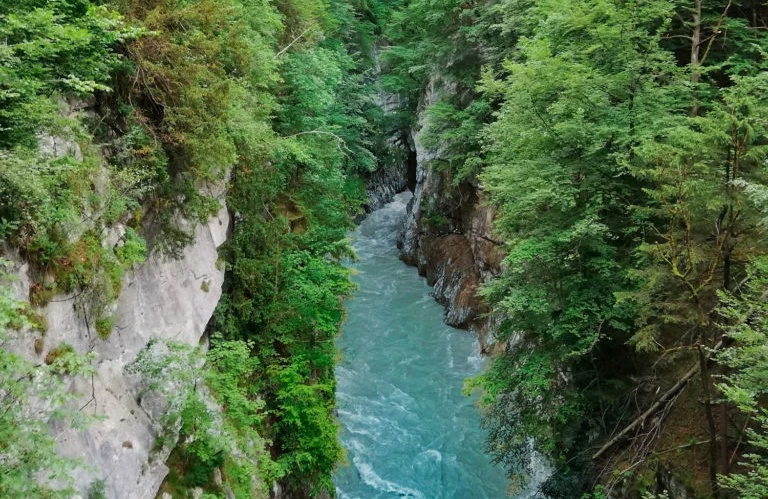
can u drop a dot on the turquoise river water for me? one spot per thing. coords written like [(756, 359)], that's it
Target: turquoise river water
[(408, 430)]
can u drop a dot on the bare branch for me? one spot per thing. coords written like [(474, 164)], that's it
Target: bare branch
[(282, 51), (668, 395)]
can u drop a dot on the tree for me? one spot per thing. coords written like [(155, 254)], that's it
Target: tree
[(703, 228), (573, 101), (744, 319)]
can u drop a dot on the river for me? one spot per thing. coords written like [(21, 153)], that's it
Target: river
[(408, 430)]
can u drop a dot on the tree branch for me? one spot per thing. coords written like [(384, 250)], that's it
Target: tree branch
[(342, 142), (657, 405), (282, 51)]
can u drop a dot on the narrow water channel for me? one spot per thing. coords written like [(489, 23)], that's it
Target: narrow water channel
[(408, 430)]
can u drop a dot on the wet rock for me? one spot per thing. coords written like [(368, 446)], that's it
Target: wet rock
[(447, 234), (382, 186)]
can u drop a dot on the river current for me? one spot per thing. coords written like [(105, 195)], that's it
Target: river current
[(408, 430)]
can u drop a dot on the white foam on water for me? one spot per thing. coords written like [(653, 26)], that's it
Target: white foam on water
[(357, 417), (366, 424), (401, 396), (372, 479), (409, 360), (374, 436), (434, 454), (426, 300), (476, 361), (401, 408)]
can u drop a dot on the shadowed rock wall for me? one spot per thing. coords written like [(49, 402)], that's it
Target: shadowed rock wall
[(447, 235)]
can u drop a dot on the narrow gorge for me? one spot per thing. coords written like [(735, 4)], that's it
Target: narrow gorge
[(259, 249)]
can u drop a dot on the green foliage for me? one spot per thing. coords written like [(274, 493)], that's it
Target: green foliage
[(134, 249), (138, 168), (295, 199), (598, 493), (745, 321), (52, 48), (701, 173), (627, 167), (568, 111), (97, 490), (29, 458), (104, 326), (455, 133), (199, 450), (427, 37), (203, 64), (56, 218), (230, 379), (216, 426), (432, 217), (297, 312), (55, 197)]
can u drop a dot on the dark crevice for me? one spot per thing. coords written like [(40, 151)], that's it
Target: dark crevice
[(411, 165)]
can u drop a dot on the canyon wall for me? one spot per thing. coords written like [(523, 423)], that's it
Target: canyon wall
[(162, 299), (448, 235)]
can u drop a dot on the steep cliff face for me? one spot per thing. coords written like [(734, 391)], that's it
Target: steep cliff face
[(390, 178), (448, 236), (382, 185), (162, 299)]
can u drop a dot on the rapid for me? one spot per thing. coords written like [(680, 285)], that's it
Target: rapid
[(407, 428)]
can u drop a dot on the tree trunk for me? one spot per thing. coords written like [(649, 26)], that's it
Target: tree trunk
[(710, 422), (695, 50), (724, 458)]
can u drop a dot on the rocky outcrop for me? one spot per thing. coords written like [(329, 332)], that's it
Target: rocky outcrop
[(162, 299), (382, 185), (667, 482), (170, 300), (447, 235)]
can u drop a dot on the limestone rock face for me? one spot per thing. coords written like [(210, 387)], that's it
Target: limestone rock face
[(162, 299), (169, 300)]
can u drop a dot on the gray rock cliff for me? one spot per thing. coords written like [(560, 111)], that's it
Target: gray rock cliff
[(162, 299)]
